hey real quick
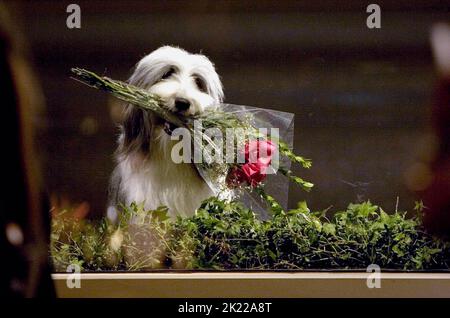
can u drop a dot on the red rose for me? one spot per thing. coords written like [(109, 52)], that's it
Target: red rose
[(258, 156), (259, 151)]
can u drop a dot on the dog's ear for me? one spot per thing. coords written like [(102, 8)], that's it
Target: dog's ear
[(136, 130)]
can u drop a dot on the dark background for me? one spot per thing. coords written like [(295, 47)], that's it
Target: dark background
[(360, 96)]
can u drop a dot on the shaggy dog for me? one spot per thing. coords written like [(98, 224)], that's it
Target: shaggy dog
[(145, 172)]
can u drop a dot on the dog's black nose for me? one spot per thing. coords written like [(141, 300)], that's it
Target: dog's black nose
[(182, 104)]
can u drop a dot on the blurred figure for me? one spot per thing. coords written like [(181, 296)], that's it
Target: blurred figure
[(436, 192), (24, 219)]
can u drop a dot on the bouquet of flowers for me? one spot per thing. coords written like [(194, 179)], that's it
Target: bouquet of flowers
[(239, 134)]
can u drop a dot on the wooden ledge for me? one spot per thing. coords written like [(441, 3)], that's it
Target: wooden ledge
[(253, 284)]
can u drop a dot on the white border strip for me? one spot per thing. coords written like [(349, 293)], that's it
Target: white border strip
[(253, 276)]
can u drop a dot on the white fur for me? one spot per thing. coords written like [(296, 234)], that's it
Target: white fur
[(152, 177)]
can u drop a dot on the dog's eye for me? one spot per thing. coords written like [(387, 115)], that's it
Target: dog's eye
[(168, 73), (200, 84)]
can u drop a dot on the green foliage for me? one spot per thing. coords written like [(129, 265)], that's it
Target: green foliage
[(82, 243), (226, 235)]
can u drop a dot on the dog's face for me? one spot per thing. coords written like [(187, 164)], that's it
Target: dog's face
[(187, 83)]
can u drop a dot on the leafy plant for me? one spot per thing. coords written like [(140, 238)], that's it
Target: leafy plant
[(226, 235)]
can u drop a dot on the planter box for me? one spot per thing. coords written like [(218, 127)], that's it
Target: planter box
[(254, 284)]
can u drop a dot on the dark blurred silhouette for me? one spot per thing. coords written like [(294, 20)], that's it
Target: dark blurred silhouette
[(436, 195), (24, 216)]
